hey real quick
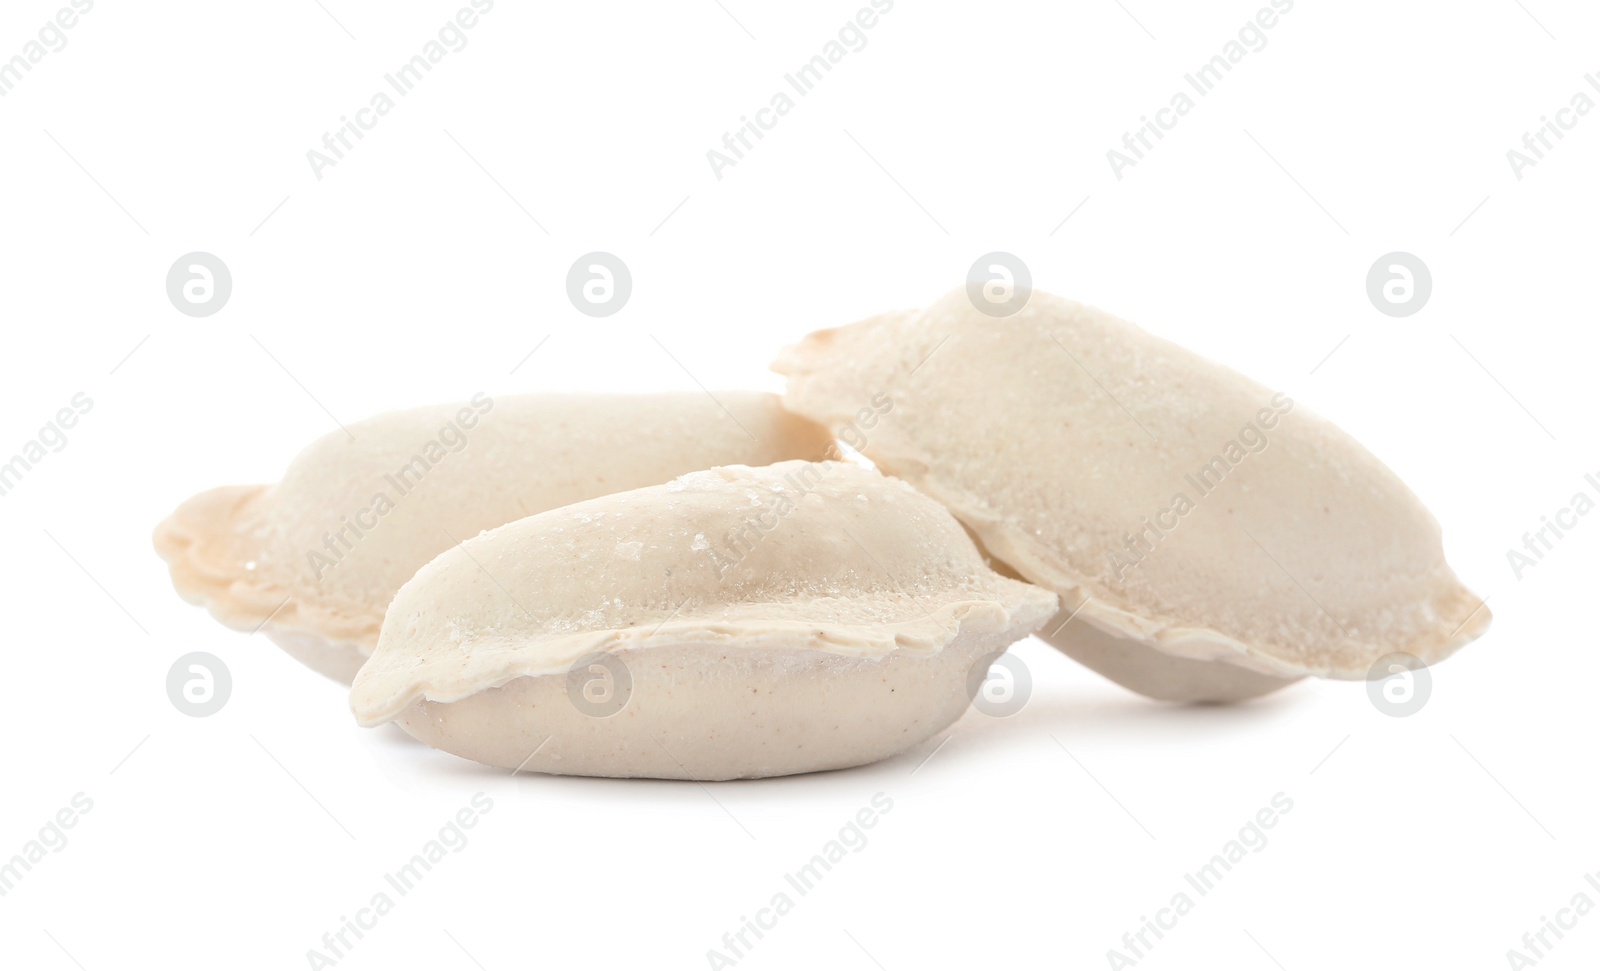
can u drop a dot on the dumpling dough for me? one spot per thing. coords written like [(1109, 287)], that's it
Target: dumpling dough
[(734, 623), (1210, 540), (317, 558)]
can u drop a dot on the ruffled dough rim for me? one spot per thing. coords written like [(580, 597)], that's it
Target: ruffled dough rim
[(534, 656), (1116, 615), (204, 543)]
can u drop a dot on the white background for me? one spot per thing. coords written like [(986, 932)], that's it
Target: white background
[(415, 272)]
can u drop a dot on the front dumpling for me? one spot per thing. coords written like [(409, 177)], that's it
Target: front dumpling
[(738, 622)]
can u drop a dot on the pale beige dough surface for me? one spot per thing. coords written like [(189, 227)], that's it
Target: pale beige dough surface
[(791, 618), (1062, 433), (317, 557)]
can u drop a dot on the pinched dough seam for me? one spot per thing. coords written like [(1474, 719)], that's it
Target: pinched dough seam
[(374, 704), (249, 605), (1117, 615)]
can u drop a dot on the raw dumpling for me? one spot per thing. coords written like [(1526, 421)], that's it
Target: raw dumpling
[(1210, 539), (317, 558), (734, 623)]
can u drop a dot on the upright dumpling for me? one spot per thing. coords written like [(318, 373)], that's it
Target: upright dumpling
[(734, 623), (315, 560), (1210, 539)]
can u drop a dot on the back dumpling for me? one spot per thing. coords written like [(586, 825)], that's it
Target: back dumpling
[(314, 560), (1211, 540)]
